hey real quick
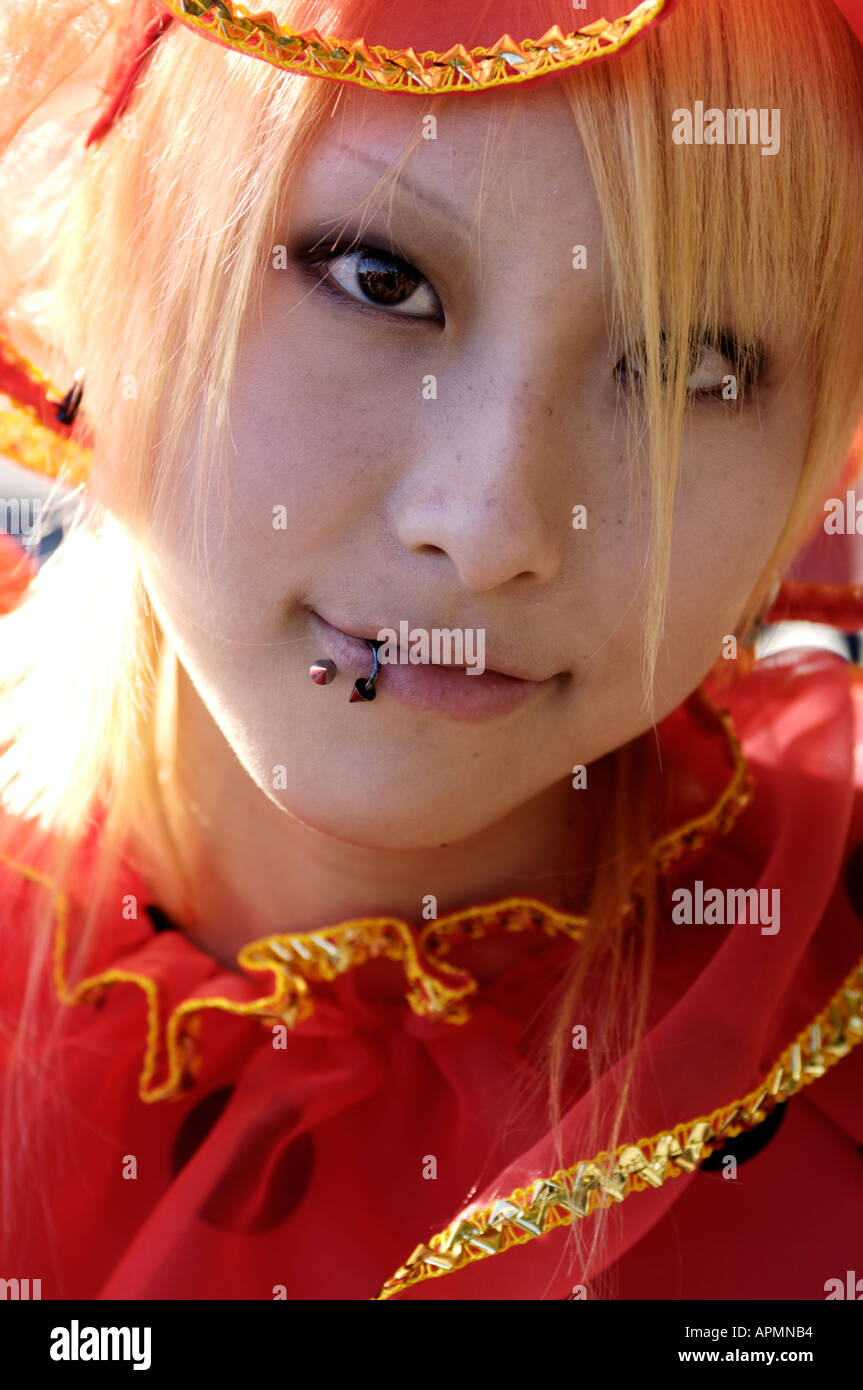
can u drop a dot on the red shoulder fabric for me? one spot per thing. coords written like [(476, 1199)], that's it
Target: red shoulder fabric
[(735, 999), (184, 1145)]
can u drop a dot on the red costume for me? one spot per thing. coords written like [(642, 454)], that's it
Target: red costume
[(294, 1131), (336, 1157)]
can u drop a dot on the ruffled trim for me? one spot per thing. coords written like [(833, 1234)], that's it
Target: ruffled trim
[(505, 63), (435, 989), (573, 1193)]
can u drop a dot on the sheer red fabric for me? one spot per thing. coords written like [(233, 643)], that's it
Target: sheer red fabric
[(313, 1169)]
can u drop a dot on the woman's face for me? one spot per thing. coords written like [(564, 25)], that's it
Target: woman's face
[(411, 441)]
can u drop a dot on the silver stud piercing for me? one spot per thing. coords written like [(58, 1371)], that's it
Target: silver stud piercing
[(322, 672), (364, 689)]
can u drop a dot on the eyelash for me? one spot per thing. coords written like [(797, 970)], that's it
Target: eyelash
[(745, 360), (313, 260)]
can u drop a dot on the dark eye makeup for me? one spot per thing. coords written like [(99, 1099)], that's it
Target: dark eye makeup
[(720, 366), (375, 278), (368, 277)]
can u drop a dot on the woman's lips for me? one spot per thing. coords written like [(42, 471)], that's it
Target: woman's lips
[(445, 690)]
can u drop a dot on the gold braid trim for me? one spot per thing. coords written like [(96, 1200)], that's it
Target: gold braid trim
[(435, 989), (28, 441), (25, 440), (573, 1193), (402, 69), (690, 837)]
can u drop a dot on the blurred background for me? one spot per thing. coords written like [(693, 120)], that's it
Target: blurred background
[(30, 499)]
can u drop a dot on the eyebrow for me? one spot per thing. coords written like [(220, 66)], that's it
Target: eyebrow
[(401, 182)]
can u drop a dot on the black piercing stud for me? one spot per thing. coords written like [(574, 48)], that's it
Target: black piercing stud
[(364, 689)]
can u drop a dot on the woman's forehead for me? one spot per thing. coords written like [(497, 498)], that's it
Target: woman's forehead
[(503, 143)]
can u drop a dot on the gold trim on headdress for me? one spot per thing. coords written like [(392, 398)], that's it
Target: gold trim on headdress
[(504, 63)]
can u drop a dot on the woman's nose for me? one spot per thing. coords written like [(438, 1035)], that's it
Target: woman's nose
[(488, 483)]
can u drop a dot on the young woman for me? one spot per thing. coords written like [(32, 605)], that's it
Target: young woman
[(394, 348)]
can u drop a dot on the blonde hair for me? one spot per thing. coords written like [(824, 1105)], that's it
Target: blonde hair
[(161, 252)]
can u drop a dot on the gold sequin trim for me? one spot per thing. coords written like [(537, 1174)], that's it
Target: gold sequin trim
[(573, 1193), (25, 439), (690, 837), (505, 63), (435, 989)]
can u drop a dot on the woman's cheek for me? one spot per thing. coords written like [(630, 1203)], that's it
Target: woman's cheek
[(722, 547)]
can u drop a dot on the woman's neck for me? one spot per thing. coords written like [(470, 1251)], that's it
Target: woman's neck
[(246, 868)]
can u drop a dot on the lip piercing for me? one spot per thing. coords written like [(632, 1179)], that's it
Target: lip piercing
[(365, 689), (324, 671)]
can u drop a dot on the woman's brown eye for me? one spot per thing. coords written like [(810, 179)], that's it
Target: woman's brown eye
[(714, 365), (710, 369), (386, 281)]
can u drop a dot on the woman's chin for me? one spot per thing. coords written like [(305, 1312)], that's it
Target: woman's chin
[(392, 824)]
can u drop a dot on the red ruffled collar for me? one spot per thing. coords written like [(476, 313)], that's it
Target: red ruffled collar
[(181, 982), (757, 1018)]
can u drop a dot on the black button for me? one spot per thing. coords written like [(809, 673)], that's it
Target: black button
[(266, 1168), (197, 1125), (160, 919)]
